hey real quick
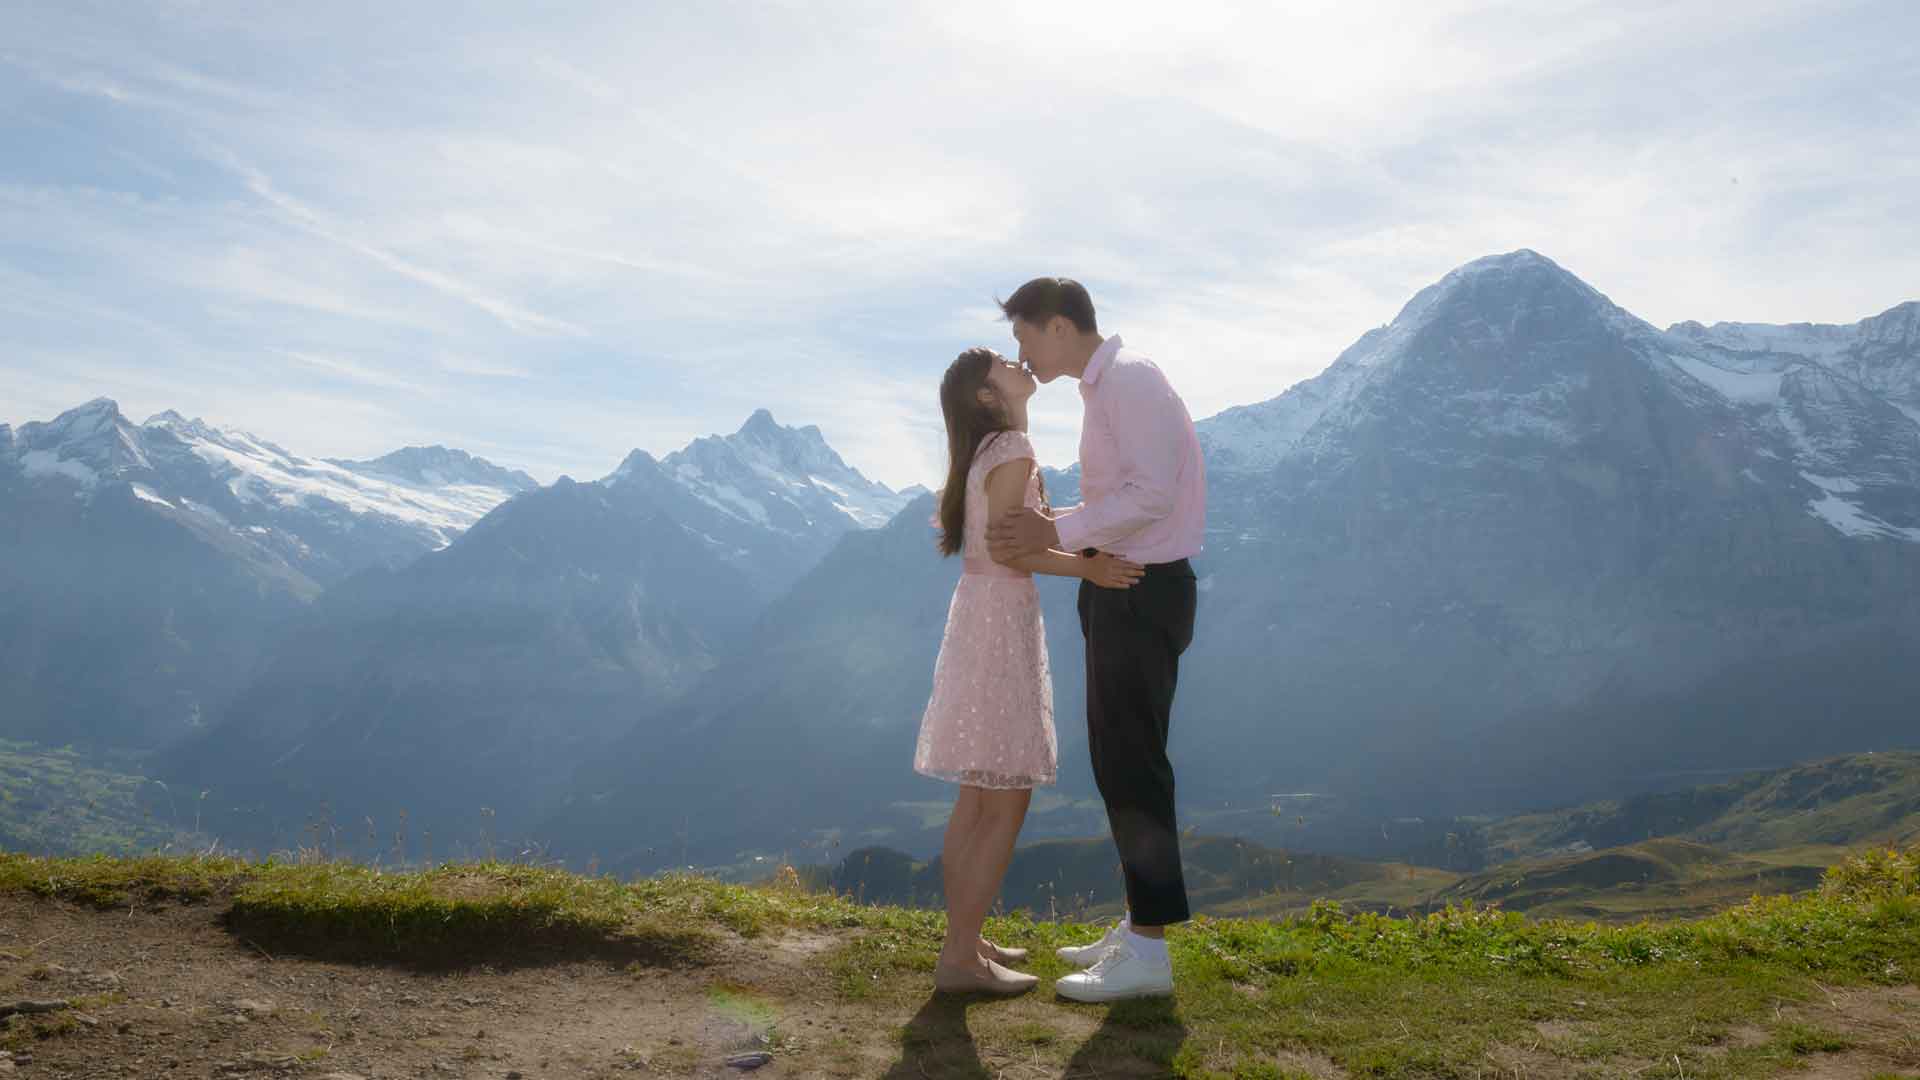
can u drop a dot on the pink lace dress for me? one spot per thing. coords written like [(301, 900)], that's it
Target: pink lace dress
[(989, 721)]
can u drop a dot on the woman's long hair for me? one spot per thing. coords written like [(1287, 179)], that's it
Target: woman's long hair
[(969, 423)]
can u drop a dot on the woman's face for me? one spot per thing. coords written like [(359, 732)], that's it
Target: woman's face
[(1008, 382)]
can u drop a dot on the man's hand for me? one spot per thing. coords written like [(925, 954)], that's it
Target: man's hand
[(1025, 531)]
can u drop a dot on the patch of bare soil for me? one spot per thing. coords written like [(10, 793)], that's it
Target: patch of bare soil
[(1882, 1024), (1552, 1030), (1301, 1062), (171, 992), (1532, 1061), (1744, 1037)]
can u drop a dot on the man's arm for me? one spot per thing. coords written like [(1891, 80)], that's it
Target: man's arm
[(1006, 493), (1149, 429)]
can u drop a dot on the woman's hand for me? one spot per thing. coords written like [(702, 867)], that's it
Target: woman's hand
[(1112, 571)]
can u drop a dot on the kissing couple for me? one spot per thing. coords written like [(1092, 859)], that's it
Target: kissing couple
[(988, 725)]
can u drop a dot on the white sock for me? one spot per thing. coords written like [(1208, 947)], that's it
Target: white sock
[(1152, 950)]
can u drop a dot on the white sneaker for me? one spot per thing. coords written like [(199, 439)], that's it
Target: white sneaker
[(1119, 973), (1087, 955)]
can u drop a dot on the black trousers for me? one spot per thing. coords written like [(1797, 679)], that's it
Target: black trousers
[(1134, 641)]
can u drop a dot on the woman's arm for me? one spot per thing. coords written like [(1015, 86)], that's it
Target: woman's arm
[(1106, 571), (1057, 563), (1007, 490)]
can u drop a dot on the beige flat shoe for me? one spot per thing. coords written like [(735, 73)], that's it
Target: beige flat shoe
[(1001, 955), (995, 980)]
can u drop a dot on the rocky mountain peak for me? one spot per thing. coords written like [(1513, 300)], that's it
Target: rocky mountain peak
[(169, 420), (764, 463), (1493, 348), (82, 443), (100, 406), (638, 463), (762, 426), (1500, 292), (440, 466), (82, 422), (1881, 352), (801, 451), (196, 430), (1896, 328)]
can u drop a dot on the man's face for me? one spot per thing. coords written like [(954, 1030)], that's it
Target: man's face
[(1041, 347)]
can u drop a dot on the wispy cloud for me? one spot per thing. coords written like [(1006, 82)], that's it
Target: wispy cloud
[(358, 374), (510, 315), (604, 226)]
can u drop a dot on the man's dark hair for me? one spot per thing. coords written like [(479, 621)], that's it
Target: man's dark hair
[(1044, 297)]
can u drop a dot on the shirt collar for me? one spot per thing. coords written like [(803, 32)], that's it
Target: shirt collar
[(1097, 363)]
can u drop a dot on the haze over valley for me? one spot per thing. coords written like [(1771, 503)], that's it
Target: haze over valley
[(1513, 551)]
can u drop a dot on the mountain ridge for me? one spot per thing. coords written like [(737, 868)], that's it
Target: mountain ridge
[(786, 478), (527, 644), (1850, 799), (1860, 462), (1635, 543), (1514, 479)]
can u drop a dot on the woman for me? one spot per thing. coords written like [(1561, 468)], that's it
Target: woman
[(989, 722)]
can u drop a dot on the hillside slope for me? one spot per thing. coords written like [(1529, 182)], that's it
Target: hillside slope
[(1851, 799)]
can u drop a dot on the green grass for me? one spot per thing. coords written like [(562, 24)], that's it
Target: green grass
[(1450, 993), (1079, 879), (1853, 799), (1665, 878), (58, 799), (109, 882)]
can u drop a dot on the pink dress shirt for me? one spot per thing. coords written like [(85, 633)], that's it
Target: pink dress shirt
[(1143, 485)]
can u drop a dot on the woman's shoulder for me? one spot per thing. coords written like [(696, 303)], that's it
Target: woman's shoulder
[(1001, 447)]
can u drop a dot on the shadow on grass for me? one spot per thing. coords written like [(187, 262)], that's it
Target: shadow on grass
[(1140, 1037), (937, 1044), (503, 945)]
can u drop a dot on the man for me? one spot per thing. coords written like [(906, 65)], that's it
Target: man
[(1143, 498)]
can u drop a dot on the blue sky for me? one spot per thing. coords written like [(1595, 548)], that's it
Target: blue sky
[(548, 234)]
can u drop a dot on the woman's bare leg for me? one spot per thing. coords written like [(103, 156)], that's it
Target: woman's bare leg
[(997, 848), (976, 864), (962, 825)]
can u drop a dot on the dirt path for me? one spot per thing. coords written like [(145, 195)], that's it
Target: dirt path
[(170, 992)]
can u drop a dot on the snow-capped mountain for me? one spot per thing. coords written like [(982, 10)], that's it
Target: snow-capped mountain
[(145, 566), (156, 561), (781, 478), (1603, 522), (1517, 544), (1841, 403), (783, 481), (432, 492), (497, 664), (324, 518), (1516, 547), (438, 467), (768, 500), (1881, 353)]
